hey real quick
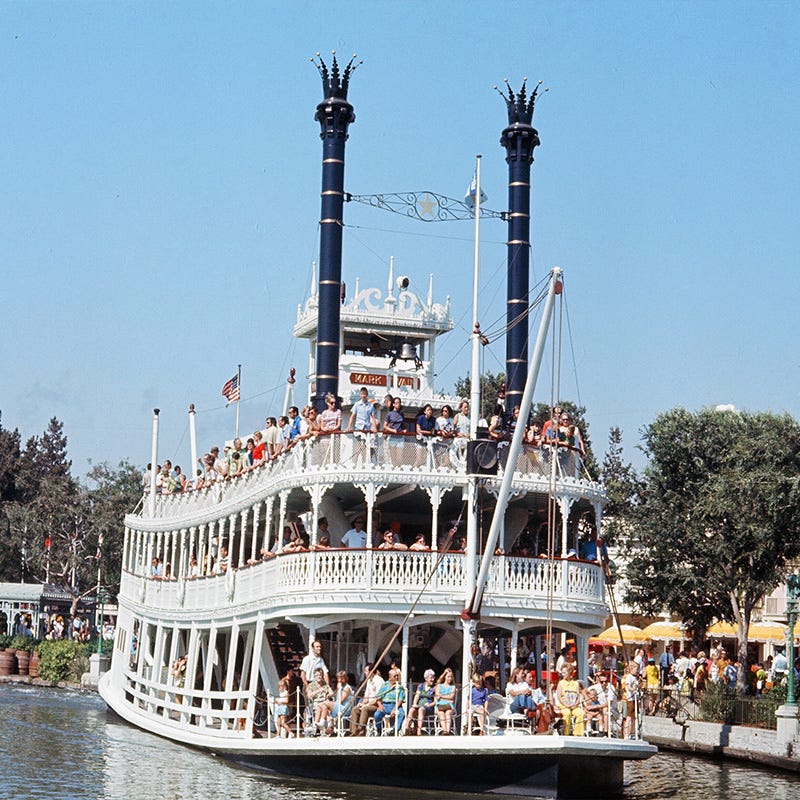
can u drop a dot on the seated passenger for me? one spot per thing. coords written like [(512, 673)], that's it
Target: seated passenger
[(424, 700), (318, 693), (446, 701), (479, 702), (391, 699), (341, 702), (594, 708), (369, 704), (569, 699), (519, 692)]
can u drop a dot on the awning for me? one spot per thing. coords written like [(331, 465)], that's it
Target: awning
[(767, 632), (722, 630), (630, 635), (666, 632)]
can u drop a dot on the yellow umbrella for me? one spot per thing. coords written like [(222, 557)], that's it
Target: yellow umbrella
[(630, 634), (665, 632), (722, 630), (767, 632)]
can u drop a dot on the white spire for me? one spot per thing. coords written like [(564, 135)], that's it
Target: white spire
[(391, 300)]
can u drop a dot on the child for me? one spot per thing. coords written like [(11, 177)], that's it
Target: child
[(282, 710)]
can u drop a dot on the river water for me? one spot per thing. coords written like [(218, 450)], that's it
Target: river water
[(61, 745)]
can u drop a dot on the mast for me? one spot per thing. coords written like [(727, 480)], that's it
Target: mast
[(473, 608), (334, 115), (519, 140)]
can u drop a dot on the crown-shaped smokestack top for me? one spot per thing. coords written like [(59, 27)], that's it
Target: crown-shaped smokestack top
[(334, 83), (520, 106)]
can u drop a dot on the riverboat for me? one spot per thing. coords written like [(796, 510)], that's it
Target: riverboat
[(199, 653)]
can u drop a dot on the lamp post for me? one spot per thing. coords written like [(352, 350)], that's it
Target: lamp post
[(102, 598), (787, 714), (792, 602)]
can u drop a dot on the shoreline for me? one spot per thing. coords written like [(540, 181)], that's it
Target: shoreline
[(40, 683), (722, 742)]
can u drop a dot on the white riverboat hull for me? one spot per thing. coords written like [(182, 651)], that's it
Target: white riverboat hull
[(507, 763)]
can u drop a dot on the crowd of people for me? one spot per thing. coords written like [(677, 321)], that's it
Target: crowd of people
[(374, 706), (367, 415)]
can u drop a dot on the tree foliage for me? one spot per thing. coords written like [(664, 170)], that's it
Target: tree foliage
[(491, 385), (718, 516), (41, 501), (622, 486)]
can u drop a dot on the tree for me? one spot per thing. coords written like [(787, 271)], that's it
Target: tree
[(491, 384), (622, 487), (718, 516), (113, 491), (541, 413)]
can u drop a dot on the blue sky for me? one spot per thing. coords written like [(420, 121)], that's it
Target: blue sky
[(160, 199)]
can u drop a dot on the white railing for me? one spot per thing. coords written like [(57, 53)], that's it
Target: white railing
[(378, 453), (298, 578)]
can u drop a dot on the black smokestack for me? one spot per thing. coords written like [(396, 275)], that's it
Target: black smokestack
[(334, 115), (519, 139)]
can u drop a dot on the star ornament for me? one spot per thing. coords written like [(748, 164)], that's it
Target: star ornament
[(426, 206)]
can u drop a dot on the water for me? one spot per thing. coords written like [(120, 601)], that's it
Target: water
[(60, 745)]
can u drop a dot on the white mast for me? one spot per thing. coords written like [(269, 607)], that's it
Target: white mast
[(475, 377), (192, 444), (473, 608)]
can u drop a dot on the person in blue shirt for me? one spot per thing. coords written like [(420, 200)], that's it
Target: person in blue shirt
[(391, 697), (362, 416)]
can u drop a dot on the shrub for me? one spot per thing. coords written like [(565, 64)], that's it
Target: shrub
[(57, 660), (718, 703), (23, 643), (5, 641)]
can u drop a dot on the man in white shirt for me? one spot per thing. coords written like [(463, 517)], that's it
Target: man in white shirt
[(313, 661), (369, 704), (356, 537)]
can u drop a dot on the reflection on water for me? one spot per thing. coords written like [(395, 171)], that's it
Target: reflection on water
[(60, 745)]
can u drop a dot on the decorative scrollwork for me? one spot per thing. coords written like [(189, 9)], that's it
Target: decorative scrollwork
[(424, 206)]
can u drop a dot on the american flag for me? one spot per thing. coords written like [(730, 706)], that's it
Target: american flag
[(230, 391)]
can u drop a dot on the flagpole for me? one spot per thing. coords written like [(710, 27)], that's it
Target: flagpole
[(239, 379)]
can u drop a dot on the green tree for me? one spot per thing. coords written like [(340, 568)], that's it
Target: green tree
[(622, 486), (491, 384), (718, 516), (109, 495)]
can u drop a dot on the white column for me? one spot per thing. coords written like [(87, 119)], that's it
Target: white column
[(229, 671), (173, 556), (243, 531), (256, 520), (268, 523), (404, 661), (209, 666), (191, 672), (255, 669)]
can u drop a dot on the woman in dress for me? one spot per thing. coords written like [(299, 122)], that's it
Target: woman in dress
[(445, 697), (282, 710), (330, 421), (424, 700)]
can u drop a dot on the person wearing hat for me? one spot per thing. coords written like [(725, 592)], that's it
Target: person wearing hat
[(423, 704), (356, 537)]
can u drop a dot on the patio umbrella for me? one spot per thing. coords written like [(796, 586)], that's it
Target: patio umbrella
[(665, 632), (630, 634), (596, 642), (767, 632)]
